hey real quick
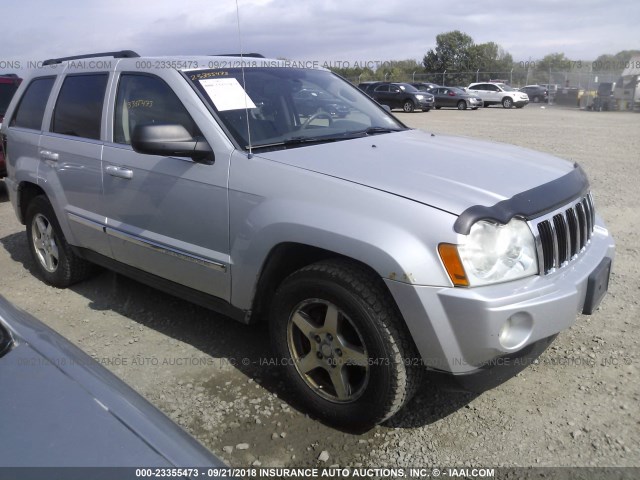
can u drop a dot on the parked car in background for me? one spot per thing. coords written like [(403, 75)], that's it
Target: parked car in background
[(424, 86), (61, 408), (402, 95), (536, 93), (498, 94), (455, 97), (8, 86), (310, 102), (367, 87)]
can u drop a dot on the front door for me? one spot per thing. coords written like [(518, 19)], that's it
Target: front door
[(166, 216)]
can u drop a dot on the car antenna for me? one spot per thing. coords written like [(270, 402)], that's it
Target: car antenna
[(244, 83)]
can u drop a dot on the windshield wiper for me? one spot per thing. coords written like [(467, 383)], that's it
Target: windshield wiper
[(376, 130), (301, 140)]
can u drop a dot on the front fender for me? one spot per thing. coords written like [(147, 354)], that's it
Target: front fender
[(394, 236)]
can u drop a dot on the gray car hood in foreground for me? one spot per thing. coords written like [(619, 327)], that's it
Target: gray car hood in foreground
[(61, 408), (450, 173)]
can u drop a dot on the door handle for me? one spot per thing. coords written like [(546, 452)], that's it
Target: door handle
[(48, 155), (120, 172)]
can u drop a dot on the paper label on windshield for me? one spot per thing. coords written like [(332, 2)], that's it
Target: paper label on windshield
[(227, 94)]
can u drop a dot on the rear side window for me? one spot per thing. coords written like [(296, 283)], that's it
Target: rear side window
[(32, 104), (147, 100), (6, 94), (78, 109)]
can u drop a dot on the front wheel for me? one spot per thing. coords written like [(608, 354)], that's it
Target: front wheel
[(408, 106), (55, 261), (344, 348), (507, 102), (462, 105)]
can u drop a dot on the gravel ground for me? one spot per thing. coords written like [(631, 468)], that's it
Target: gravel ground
[(578, 406)]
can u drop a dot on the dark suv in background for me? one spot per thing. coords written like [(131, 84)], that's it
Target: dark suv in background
[(400, 95), (8, 85), (536, 93)]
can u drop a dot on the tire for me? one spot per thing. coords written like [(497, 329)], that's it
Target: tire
[(507, 102), (408, 106), (55, 262), (462, 105), (536, 99), (334, 312), (438, 108), (426, 109)]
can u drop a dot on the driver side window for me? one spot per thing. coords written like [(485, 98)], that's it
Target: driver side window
[(146, 99)]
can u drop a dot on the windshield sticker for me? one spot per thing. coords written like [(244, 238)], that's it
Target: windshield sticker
[(227, 94)]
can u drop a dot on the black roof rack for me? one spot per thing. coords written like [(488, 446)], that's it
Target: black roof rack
[(252, 55), (120, 54)]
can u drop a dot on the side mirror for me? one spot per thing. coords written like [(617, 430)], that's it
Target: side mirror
[(387, 108), (170, 141)]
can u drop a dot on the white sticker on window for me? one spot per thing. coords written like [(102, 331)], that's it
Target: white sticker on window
[(227, 94)]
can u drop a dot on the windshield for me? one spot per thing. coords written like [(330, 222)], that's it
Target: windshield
[(408, 88), (289, 106), (506, 88)]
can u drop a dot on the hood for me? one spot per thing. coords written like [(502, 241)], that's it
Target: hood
[(447, 172)]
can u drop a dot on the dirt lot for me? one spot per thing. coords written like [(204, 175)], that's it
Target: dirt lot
[(578, 406)]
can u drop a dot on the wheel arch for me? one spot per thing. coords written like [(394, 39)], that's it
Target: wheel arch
[(288, 257), (27, 191)]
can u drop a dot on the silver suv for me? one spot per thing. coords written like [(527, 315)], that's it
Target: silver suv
[(498, 94), (373, 250)]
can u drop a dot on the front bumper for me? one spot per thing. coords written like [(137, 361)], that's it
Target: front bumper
[(457, 330), (520, 103), (425, 103)]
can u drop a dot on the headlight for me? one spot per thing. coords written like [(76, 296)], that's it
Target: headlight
[(419, 97), (493, 253)]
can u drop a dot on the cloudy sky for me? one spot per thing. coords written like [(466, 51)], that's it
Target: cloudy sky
[(318, 30)]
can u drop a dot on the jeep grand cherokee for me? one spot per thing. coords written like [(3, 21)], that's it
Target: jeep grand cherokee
[(373, 250)]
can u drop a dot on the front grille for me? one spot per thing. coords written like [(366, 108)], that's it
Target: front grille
[(563, 235)]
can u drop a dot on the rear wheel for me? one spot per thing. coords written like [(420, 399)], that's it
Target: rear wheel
[(507, 102), (55, 261), (462, 105), (408, 106), (343, 345), (536, 99)]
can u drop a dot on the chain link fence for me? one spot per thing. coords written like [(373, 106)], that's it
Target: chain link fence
[(571, 87)]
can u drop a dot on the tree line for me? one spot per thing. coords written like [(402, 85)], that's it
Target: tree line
[(458, 60)]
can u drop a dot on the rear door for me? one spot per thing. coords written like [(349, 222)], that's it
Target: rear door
[(167, 216), (70, 153), (381, 95), (479, 91)]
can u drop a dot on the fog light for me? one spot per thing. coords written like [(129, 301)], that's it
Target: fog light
[(516, 330)]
